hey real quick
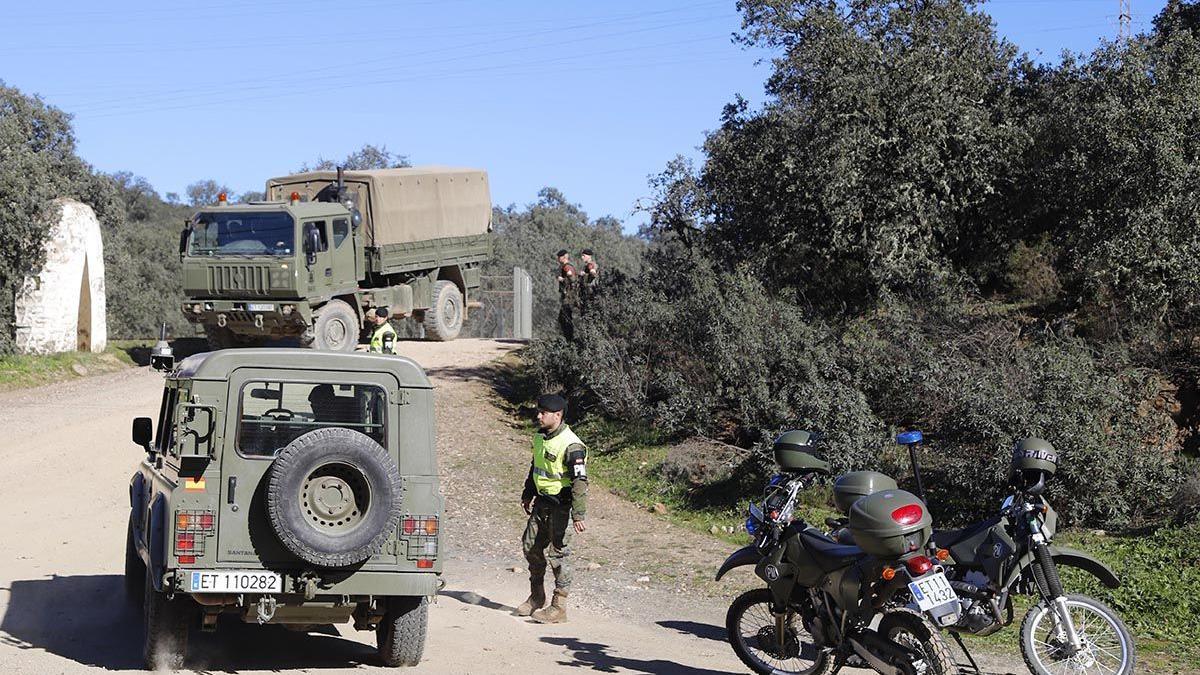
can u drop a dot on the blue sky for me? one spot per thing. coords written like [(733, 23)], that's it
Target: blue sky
[(588, 97)]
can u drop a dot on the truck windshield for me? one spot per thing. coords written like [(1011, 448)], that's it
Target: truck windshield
[(242, 234)]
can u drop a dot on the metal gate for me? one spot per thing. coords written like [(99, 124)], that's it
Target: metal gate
[(507, 310)]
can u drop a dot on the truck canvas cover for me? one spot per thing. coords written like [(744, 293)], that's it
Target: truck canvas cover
[(406, 205)]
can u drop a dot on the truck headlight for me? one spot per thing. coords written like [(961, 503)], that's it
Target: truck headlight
[(287, 309), (197, 308)]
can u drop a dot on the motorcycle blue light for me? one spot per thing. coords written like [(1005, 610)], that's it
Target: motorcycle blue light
[(909, 437), (751, 526)]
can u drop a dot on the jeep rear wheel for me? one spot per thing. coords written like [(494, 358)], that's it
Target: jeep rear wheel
[(400, 635), (165, 623), (333, 497), (135, 569)]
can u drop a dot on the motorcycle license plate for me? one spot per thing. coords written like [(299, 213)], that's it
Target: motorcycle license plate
[(932, 591), (235, 581)]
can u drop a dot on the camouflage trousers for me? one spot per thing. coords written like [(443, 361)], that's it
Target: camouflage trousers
[(547, 539)]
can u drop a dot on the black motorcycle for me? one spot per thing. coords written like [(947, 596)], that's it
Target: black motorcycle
[(1013, 553), (822, 597)]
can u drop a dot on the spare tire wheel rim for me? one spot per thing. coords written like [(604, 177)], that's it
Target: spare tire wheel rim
[(335, 498)]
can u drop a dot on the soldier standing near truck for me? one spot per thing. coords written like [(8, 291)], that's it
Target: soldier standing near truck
[(555, 497), (568, 294), (383, 338)]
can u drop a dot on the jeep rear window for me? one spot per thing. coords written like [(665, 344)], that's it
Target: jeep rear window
[(273, 414)]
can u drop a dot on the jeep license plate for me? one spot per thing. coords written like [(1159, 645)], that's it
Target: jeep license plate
[(246, 581), (932, 591)]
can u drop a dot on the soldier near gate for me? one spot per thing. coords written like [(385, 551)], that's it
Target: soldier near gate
[(383, 337), (555, 497), (589, 275), (568, 294)]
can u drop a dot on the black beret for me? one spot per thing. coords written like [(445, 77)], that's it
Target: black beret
[(586, 251), (561, 253), (381, 312), (551, 403)]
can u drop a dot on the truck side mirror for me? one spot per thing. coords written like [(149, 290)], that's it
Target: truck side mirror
[(312, 242), (143, 432)]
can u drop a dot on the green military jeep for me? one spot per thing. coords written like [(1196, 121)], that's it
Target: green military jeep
[(286, 486)]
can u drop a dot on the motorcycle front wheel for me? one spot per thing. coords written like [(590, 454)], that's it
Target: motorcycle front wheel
[(752, 631), (910, 629), (1107, 645)]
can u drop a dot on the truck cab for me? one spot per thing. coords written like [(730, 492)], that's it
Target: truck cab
[(283, 486)]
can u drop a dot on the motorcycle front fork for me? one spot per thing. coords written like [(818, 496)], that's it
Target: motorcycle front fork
[(1050, 586)]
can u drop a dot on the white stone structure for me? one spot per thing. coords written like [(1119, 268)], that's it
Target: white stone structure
[(60, 308)]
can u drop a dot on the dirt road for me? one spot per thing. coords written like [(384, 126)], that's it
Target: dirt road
[(66, 458)]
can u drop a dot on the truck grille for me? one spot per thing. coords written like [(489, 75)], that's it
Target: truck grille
[(240, 279)]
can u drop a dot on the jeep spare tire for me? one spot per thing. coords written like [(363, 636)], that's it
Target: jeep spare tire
[(333, 497)]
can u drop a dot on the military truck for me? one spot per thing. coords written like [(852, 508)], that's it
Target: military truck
[(326, 247), (287, 487)]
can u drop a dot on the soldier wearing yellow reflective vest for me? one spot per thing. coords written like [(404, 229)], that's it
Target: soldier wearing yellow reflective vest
[(383, 338), (555, 497)]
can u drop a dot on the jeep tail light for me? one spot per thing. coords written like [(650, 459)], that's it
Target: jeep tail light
[(908, 515), (185, 541), (182, 520), (424, 563), (918, 565), (420, 526), (187, 559), (206, 521), (195, 521)]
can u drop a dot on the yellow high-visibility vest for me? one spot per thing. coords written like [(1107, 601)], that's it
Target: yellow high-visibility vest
[(549, 461), (377, 339)]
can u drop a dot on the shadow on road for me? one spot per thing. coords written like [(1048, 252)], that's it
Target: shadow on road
[(473, 598), (706, 631), (596, 656), (88, 619)]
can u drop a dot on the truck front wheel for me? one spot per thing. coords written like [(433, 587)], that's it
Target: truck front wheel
[(444, 318), (400, 635), (335, 327)]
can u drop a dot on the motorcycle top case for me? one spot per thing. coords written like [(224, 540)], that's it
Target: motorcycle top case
[(848, 488), (890, 523)]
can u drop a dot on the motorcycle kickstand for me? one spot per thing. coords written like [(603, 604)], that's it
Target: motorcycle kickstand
[(963, 647)]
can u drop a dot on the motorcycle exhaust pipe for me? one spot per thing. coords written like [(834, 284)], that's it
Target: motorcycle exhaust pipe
[(884, 655)]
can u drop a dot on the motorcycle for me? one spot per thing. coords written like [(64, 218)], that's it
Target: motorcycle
[(1013, 553), (822, 597)]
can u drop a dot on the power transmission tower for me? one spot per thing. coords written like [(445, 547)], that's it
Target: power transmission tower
[(1125, 17)]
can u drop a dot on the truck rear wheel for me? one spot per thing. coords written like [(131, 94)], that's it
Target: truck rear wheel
[(400, 635), (444, 318), (335, 327), (166, 628)]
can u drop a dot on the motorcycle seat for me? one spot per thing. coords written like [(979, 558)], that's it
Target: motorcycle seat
[(829, 554)]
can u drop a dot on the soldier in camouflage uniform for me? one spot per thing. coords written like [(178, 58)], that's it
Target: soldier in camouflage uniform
[(555, 497), (568, 294), (589, 276)]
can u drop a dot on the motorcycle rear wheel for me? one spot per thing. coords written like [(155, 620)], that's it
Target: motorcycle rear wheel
[(913, 630), (750, 628), (1107, 644)]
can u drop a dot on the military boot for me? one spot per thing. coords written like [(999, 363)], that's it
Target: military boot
[(556, 612), (536, 599)]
